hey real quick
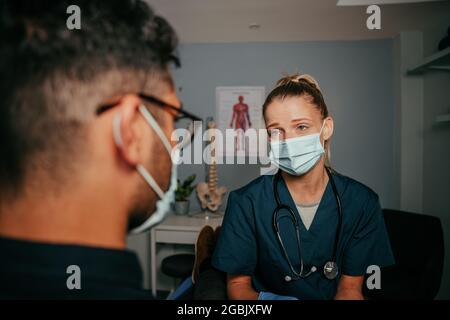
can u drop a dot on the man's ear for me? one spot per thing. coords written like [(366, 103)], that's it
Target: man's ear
[(328, 128), (128, 130)]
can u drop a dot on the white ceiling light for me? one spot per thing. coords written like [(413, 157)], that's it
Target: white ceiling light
[(369, 2), (254, 26)]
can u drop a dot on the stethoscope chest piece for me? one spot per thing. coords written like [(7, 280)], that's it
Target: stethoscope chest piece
[(330, 270)]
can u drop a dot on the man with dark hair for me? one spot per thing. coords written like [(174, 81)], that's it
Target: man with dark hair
[(85, 121)]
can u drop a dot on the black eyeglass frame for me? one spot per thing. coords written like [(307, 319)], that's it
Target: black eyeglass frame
[(180, 112)]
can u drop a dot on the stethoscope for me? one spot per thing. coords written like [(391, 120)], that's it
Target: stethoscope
[(330, 269)]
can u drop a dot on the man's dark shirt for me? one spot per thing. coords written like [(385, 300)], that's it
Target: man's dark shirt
[(31, 270)]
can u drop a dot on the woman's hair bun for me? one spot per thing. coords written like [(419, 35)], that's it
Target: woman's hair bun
[(297, 78)]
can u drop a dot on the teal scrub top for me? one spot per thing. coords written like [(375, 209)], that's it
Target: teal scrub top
[(248, 245)]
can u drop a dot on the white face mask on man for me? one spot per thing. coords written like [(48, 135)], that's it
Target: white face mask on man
[(298, 155), (165, 199)]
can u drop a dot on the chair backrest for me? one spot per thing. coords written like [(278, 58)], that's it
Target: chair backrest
[(417, 242)]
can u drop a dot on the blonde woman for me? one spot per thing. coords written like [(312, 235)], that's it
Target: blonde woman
[(305, 232)]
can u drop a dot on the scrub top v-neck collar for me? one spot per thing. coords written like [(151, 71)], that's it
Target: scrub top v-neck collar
[(321, 214)]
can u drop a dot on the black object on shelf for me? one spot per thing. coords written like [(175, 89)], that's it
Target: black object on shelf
[(445, 43)]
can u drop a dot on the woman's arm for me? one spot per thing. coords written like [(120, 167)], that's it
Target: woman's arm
[(239, 287), (350, 288)]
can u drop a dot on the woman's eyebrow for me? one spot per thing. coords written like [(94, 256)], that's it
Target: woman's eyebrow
[(273, 124), (301, 119)]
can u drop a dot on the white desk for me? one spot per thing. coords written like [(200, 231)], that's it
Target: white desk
[(177, 230)]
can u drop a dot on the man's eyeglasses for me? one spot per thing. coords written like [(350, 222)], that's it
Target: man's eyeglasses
[(183, 119)]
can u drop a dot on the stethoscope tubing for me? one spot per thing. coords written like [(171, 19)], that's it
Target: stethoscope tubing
[(294, 218)]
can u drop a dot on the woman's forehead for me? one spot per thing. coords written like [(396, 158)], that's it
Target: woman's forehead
[(291, 108)]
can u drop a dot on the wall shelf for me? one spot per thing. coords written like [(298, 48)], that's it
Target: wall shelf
[(443, 118), (437, 61)]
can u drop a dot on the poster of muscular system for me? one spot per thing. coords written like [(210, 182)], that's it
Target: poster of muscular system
[(239, 109)]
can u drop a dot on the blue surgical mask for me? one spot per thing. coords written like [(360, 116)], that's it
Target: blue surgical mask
[(165, 198), (298, 155)]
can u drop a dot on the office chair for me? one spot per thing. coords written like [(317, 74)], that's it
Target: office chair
[(178, 266), (417, 242)]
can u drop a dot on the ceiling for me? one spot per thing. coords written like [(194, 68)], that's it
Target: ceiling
[(369, 2), (292, 20)]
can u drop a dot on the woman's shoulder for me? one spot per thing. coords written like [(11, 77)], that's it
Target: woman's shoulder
[(248, 199), (354, 188), (254, 187)]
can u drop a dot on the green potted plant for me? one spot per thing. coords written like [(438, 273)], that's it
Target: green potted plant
[(182, 193)]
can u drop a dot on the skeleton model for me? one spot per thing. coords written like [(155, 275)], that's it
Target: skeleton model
[(209, 194)]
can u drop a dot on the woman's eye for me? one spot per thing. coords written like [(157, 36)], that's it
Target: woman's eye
[(274, 132), (302, 127)]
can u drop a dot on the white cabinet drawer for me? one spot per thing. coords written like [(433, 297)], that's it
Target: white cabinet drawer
[(176, 236)]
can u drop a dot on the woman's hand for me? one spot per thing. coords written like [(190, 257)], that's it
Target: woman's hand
[(240, 288), (350, 288)]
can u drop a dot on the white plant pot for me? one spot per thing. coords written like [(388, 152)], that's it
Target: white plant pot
[(182, 207)]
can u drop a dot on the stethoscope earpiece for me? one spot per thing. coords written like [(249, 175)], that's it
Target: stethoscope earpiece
[(288, 278)]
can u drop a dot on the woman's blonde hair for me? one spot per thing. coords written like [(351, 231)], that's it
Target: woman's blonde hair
[(301, 85)]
